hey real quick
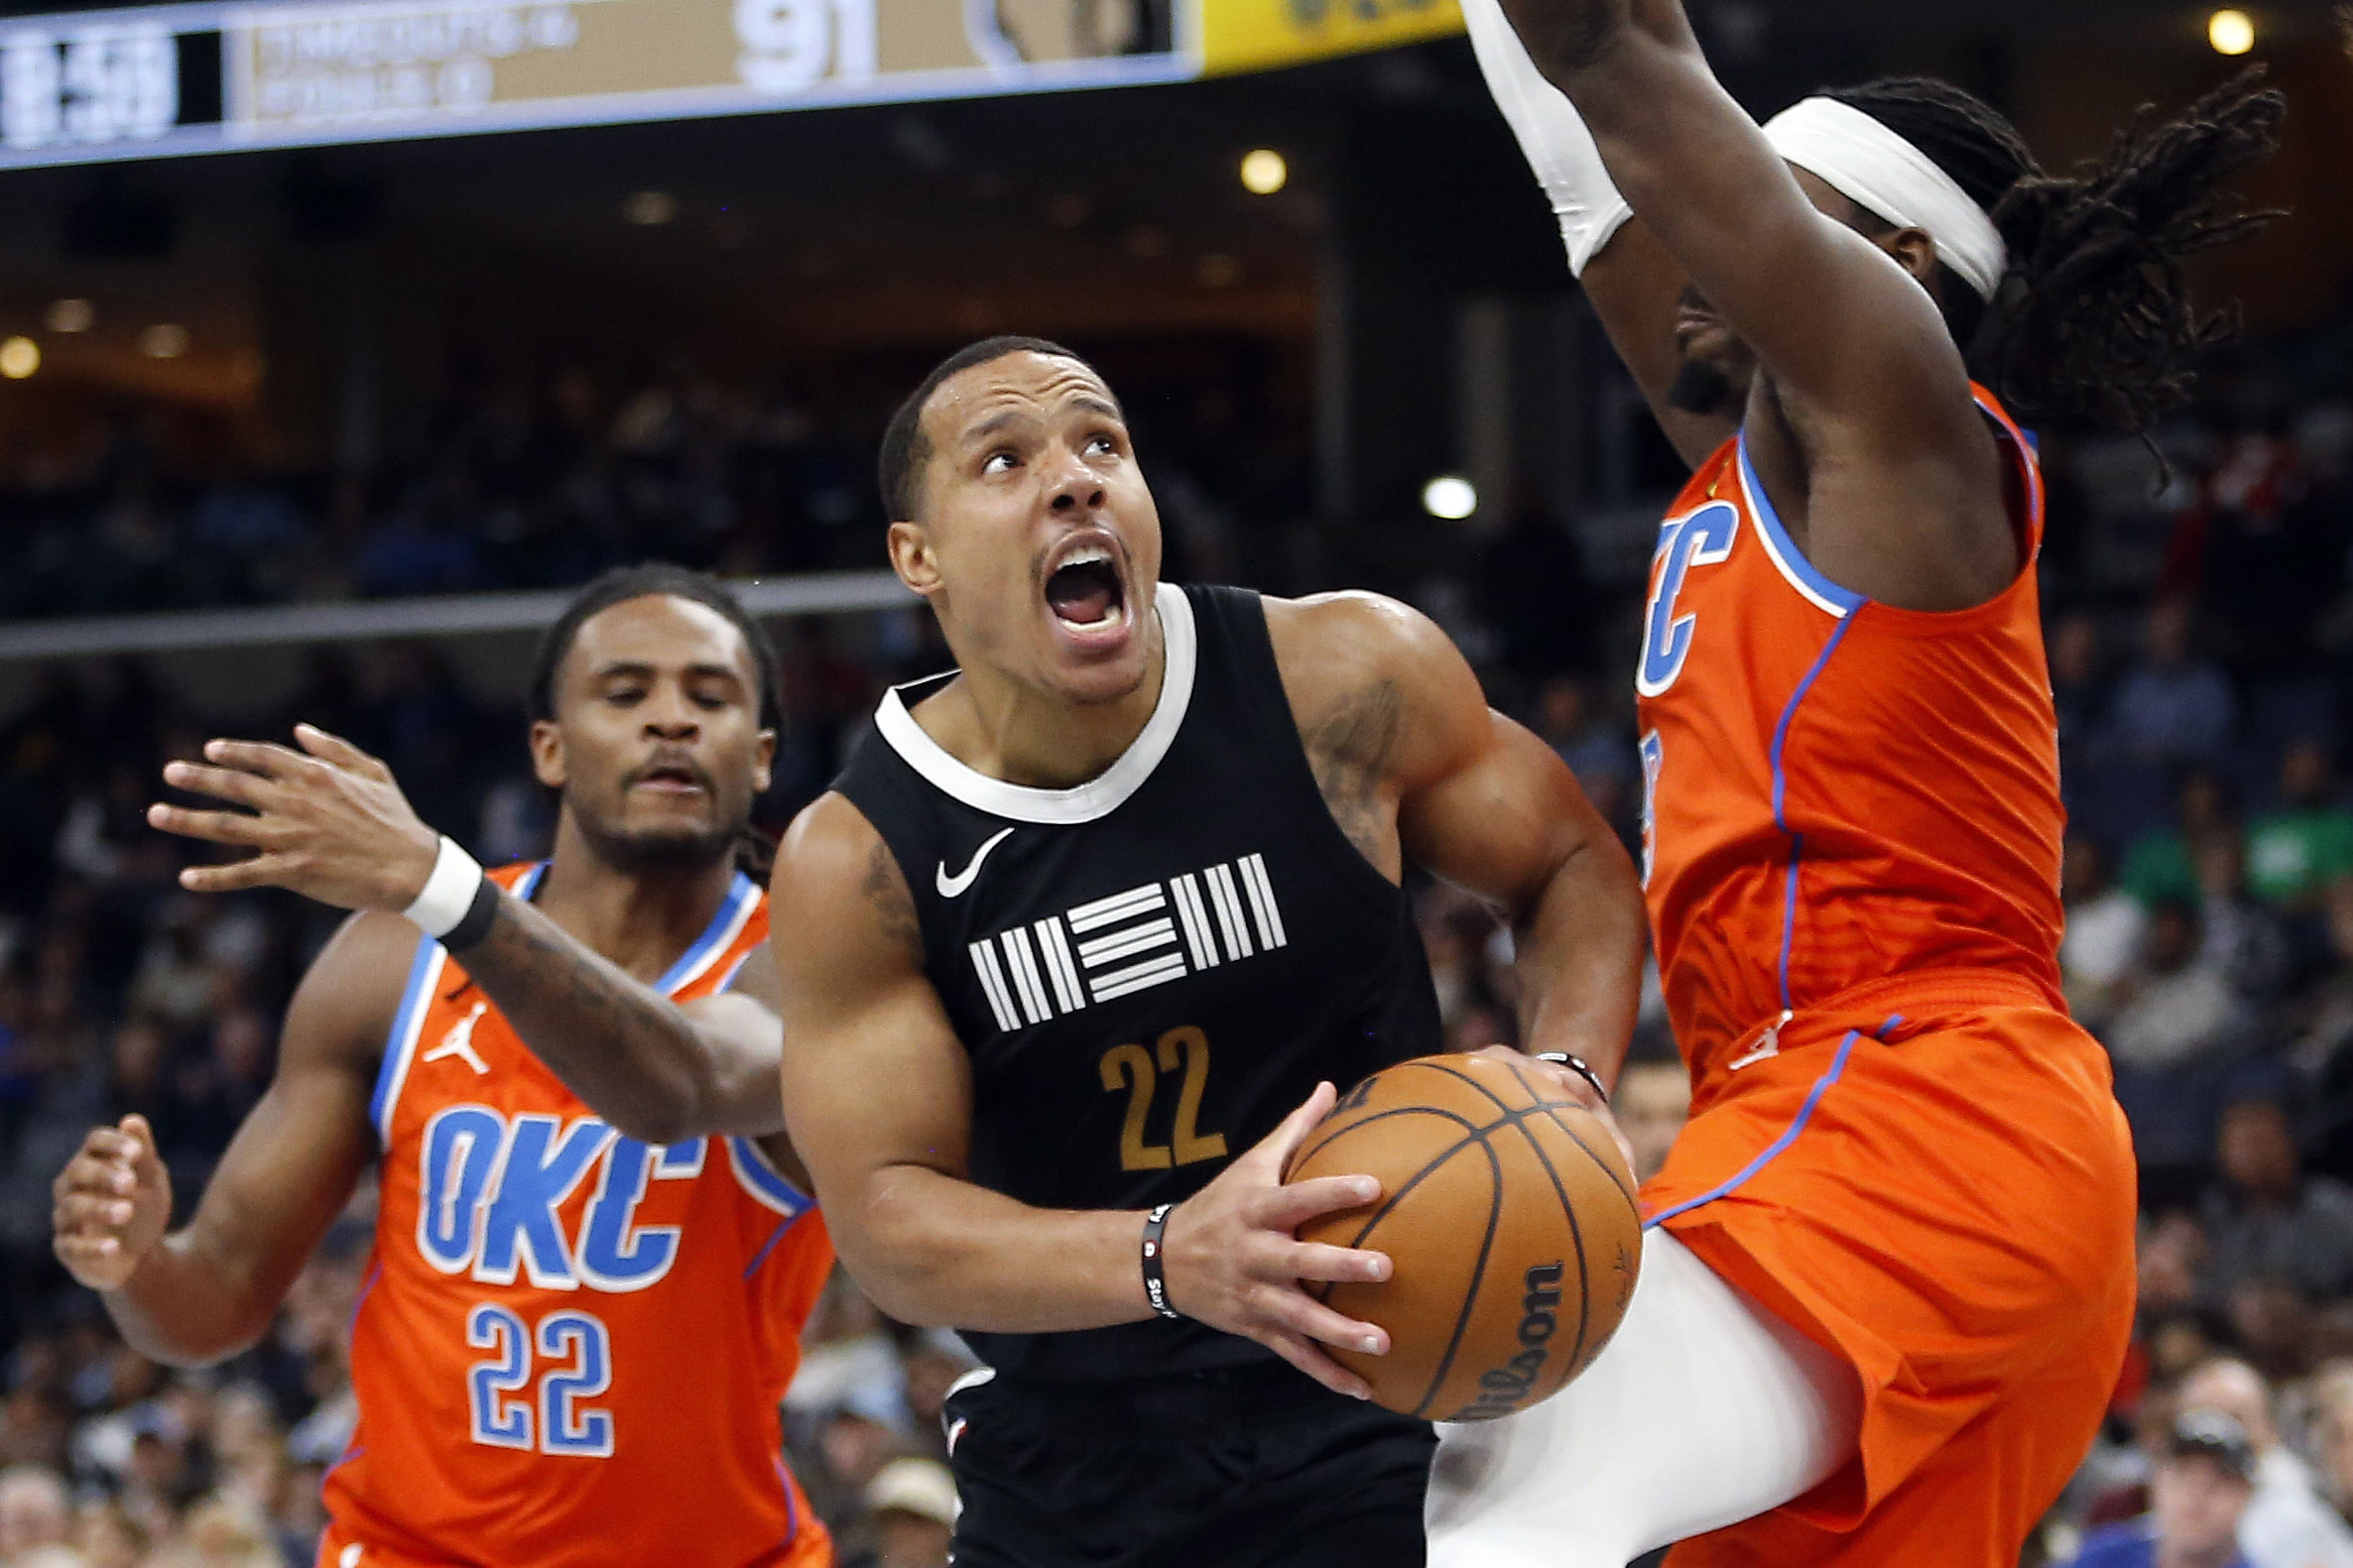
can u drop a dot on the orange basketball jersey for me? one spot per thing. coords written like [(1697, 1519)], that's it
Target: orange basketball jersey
[(572, 1347), (1838, 792)]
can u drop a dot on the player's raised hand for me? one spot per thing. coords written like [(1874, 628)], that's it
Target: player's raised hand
[(1233, 1262), (328, 821), (111, 1204)]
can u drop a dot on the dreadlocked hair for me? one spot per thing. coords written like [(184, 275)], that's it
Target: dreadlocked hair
[(2094, 319)]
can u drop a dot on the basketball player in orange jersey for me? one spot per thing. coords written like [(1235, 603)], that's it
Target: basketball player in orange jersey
[(1890, 1276), (593, 1250)]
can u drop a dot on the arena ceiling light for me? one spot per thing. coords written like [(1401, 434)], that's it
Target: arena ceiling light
[(69, 316), (20, 357), (1264, 172), (651, 209), (1450, 498), (164, 340), (2231, 32)]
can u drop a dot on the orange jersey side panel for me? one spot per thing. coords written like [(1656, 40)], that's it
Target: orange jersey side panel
[(1838, 790), (572, 1347)]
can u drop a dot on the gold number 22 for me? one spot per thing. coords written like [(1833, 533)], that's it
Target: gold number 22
[(1131, 1068)]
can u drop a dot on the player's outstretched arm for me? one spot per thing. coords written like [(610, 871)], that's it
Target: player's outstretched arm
[(208, 1290), (1899, 492), (878, 1096), (1636, 287), (1391, 711), (329, 822)]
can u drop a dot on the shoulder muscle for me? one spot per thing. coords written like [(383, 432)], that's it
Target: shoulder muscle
[(1378, 680)]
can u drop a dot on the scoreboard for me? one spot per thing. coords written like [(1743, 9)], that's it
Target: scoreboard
[(171, 79)]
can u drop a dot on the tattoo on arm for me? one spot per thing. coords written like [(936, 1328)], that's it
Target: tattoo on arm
[(893, 904), (1350, 752), (533, 965)]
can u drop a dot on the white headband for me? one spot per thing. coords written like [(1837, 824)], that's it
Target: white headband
[(1881, 173)]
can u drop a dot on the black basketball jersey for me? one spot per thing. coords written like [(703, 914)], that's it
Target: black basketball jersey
[(1151, 970)]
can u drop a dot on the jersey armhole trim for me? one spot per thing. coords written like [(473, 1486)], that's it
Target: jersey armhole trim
[(400, 1047), (756, 1174), (1801, 573), (743, 897)]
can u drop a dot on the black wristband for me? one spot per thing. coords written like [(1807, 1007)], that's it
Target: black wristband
[(480, 915), (1156, 1283), (1577, 1065)]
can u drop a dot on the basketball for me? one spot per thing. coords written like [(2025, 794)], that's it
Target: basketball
[(1509, 1217)]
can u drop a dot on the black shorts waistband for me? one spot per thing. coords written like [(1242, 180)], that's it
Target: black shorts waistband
[(1259, 1393)]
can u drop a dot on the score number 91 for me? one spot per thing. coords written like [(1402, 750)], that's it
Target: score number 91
[(790, 46)]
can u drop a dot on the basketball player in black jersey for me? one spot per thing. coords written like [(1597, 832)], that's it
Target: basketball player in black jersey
[(1079, 945)]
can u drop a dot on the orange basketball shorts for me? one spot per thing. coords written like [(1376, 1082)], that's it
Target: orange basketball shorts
[(1931, 1178)]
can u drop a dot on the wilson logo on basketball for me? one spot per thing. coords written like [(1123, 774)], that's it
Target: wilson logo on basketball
[(1503, 1389)]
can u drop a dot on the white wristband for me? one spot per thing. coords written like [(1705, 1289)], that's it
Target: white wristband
[(1553, 135), (448, 893)]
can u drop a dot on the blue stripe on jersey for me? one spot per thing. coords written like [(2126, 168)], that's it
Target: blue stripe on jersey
[(740, 894), (397, 1044), (1845, 601), (529, 887), (768, 1246), (1780, 789), (1773, 1150), (765, 1181)]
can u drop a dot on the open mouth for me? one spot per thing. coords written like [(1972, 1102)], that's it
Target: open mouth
[(672, 779), (1085, 592)]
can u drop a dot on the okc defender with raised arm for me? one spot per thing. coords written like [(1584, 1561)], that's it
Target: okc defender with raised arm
[(593, 1253), (1905, 1187), (1094, 924)]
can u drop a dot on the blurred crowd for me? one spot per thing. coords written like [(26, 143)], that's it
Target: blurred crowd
[(521, 479), (2202, 638)]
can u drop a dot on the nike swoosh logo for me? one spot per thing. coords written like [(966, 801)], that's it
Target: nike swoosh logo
[(957, 886)]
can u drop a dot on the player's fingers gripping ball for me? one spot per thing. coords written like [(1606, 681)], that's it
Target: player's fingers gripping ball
[(1509, 1217)]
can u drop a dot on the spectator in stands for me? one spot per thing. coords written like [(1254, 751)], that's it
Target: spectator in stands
[(35, 1510), (2297, 852), (1599, 752), (2321, 1026), (2173, 706), (2199, 1491), (2287, 1524), (1653, 1101), (2242, 938), (2332, 1432), (2266, 1219), (107, 1539), (2106, 928), (2162, 864), (2078, 682), (2179, 1007), (913, 1503)]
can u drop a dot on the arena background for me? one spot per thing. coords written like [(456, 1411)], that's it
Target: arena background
[(336, 340)]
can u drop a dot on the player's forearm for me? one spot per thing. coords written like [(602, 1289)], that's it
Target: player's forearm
[(940, 1252), (1579, 959), (186, 1307), (629, 1052)]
